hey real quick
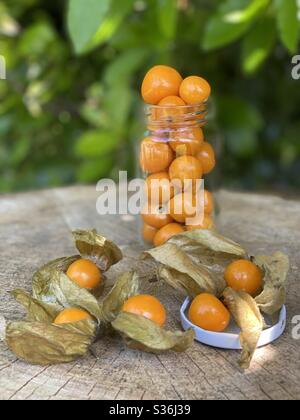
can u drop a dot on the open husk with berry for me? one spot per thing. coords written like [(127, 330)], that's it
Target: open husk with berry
[(194, 263), (64, 320)]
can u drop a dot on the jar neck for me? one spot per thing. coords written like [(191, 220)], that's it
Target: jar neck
[(161, 121)]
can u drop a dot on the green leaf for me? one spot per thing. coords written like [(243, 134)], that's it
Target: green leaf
[(232, 20), (118, 77), (84, 19), (95, 143), (121, 70), (118, 104), (258, 45), (115, 16), (242, 143), (288, 25), (237, 113), (93, 170), (167, 14), (37, 39), (20, 151), (241, 122)]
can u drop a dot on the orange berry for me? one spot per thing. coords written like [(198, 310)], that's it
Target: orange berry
[(209, 313), (205, 222), (160, 82), (195, 90), (166, 233), (156, 216), (171, 108), (183, 206), (85, 274), (148, 307), (207, 157), (208, 202), (185, 168), (70, 315), (187, 141), (243, 275), (149, 233), (155, 156), (159, 188)]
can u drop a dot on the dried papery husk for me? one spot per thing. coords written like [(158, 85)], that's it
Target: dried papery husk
[(54, 287), (275, 268), (36, 310), (212, 240), (200, 254), (97, 248), (37, 340), (182, 282), (194, 262), (248, 317), (41, 281), (141, 333), (43, 343), (69, 294), (125, 287), (193, 279)]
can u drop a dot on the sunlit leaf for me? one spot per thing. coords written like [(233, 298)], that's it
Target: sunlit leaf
[(115, 16), (258, 45), (167, 14), (288, 23), (231, 21), (95, 143), (84, 19)]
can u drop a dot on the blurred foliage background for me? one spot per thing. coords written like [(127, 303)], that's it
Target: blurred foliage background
[(70, 107)]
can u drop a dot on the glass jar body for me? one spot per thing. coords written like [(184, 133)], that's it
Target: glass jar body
[(177, 160)]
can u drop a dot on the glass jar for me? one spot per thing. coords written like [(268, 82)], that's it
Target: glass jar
[(175, 159)]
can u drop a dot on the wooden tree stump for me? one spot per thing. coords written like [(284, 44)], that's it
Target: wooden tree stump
[(35, 227)]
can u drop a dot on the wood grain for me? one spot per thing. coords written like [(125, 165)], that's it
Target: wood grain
[(35, 227)]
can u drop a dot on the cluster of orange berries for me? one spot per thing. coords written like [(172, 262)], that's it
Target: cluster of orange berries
[(209, 313), (206, 311), (174, 153)]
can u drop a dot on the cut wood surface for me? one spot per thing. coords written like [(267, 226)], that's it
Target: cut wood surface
[(35, 228)]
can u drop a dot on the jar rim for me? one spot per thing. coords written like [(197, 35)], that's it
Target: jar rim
[(182, 107), (188, 116)]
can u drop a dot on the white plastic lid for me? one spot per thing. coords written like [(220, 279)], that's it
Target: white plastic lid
[(231, 339)]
